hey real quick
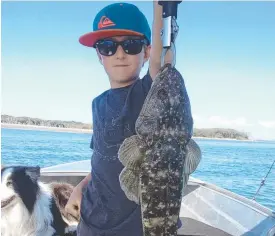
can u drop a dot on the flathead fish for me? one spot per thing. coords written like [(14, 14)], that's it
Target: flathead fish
[(160, 157)]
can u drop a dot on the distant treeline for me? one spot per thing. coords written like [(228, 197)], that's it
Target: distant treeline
[(39, 122), (206, 133), (221, 133)]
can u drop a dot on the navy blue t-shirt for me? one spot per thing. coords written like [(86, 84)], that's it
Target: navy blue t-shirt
[(105, 209)]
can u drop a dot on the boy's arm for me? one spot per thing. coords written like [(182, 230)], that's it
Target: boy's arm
[(85, 181), (74, 202), (156, 49)]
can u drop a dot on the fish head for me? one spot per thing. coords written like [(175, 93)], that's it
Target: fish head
[(167, 101)]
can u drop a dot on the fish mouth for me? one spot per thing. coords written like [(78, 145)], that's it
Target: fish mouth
[(5, 203)]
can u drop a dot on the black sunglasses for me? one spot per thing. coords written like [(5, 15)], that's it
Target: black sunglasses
[(108, 47)]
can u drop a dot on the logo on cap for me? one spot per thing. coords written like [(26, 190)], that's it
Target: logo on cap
[(105, 22)]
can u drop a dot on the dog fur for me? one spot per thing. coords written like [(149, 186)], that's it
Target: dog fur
[(30, 207)]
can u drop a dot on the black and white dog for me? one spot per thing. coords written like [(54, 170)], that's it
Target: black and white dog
[(32, 208)]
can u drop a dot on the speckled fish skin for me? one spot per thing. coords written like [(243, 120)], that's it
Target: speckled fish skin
[(166, 109), (167, 106), (156, 168)]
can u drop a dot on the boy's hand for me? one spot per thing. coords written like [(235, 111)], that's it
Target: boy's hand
[(156, 48), (73, 205)]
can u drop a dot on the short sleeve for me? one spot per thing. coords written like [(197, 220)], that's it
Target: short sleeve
[(93, 111), (92, 143)]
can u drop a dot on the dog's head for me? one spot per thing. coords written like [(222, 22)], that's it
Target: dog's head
[(19, 184)]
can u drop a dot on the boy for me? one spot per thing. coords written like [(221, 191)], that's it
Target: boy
[(122, 39)]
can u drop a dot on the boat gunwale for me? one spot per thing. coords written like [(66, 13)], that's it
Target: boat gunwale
[(214, 188), (236, 197)]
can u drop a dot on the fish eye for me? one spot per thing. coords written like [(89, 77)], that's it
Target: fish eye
[(162, 94)]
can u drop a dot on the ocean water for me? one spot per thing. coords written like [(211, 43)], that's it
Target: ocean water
[(234, 165)]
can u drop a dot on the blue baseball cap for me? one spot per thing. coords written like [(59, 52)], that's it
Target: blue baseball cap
[(117, 19)]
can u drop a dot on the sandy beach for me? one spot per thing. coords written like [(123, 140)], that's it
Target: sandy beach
[(225, 139), (44, 128), (73, 130)]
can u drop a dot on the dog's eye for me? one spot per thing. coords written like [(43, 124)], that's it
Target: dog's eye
[(9, 183)]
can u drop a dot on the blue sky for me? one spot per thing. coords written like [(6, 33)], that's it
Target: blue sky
[(225, 51)]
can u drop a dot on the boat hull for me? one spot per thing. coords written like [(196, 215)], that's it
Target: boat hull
[(206, 209)]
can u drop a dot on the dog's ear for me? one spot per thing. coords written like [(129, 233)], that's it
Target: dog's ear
[(33, 172)]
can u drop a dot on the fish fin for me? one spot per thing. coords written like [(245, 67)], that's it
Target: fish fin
[(130, 152), (193, 157), (185, 178), (129, 182), (131, 156)]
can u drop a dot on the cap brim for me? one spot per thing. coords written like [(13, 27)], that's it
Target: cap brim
[(91, 38)]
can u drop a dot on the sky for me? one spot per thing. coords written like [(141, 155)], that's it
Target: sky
[(225, 52)]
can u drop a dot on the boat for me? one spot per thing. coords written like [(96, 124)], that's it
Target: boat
[(206, 209)]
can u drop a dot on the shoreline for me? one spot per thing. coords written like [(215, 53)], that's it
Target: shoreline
[(45, 128), (87, 131)]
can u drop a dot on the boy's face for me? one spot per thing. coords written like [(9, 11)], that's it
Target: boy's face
[(122, 68)]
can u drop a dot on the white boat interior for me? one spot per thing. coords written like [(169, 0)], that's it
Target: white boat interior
[(206, 210)]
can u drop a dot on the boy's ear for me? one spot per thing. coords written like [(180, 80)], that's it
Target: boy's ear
[(147, 50)]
